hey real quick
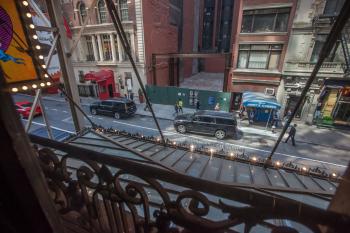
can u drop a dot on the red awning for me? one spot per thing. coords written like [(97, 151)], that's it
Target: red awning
[(99, 76)]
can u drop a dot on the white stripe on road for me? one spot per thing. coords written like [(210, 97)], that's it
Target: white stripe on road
[(65, 111), (54, 109), (53, 127)]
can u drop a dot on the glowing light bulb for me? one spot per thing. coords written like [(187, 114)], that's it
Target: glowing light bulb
[(24, 88), (48, 83), (38, 47), (41, 57), (15, 89), (35, 37), (29, 15), (31, 26), (42, 84), (43, 66), (25, 3), (34, 86)]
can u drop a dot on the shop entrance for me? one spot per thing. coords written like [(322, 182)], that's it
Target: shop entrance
[(343, 112), (291, 103)]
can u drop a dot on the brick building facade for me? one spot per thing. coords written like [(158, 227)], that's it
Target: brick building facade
[(259, 45)]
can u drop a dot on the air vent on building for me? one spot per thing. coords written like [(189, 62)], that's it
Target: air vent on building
[(269, 91)]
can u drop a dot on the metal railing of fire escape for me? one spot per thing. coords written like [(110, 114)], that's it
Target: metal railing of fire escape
[(333, 37)]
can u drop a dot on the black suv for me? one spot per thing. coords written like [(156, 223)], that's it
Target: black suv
[(115, 107), (217, 123)]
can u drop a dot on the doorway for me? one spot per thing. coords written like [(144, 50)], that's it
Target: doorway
[(110, 90)]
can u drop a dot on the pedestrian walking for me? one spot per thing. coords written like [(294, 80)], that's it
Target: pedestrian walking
[(217, 107), (287, 116), (180, 106), (132, 96), (176, 106), (292, 133), (146, 108), (198, 105), (251, 116)]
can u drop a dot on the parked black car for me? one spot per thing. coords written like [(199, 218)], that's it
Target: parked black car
[(217, 123), (115, 107)]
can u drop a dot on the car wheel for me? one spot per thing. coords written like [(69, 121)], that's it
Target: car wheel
[(220, 134), (93, 111), (181, 129), (116, 115)]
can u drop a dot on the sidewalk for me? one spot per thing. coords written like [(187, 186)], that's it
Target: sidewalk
[(332, 138)]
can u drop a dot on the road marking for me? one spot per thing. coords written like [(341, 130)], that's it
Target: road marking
[(68, 120), (229, 143), (53, 127), (54, 109), (65, 111), (100, 118)]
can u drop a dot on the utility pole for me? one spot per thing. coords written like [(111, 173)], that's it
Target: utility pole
[(56, 18)]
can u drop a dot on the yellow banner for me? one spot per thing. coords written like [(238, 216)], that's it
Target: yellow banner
[(16, 64)]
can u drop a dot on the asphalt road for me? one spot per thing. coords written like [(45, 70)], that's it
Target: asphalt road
[(305, 154)]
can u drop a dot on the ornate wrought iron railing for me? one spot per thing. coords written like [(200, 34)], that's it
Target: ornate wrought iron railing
[(97, 192)]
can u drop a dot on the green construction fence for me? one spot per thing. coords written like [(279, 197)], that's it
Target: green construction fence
[(207, 99)]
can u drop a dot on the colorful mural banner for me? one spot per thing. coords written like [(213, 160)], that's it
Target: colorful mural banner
[(16, 64)]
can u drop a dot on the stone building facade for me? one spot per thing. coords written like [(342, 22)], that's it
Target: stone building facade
[(311, 25)]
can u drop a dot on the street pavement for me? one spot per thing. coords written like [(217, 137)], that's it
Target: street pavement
[(324, 148)]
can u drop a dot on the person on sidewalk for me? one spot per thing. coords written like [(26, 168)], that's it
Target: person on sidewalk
[(132, 96), (180, 106), (176, 106), (251, 116), (198, 105), (287, 116), (146, 108), (292, 133), (217, 107)]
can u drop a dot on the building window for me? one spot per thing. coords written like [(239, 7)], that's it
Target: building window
[(116, 45), (102, 12), (124, 10), (319, 42), (259, 56), (333, 7), (106, 47), (126, 58), (265, 20), (175, 12), (224, 38), (81, 76), (82, 12), (208, 24), (89, 49)]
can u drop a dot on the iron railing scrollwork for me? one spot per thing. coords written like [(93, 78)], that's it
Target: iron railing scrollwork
[(102, 193)]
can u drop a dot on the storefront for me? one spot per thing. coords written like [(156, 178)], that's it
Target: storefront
[(103, 83), (263, 106), (335, 102)]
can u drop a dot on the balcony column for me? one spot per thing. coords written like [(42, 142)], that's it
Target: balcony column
[(93, 39), (114, 55), (100, 47), (120, 50)]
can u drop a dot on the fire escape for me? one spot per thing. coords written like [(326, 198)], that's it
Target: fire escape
[(345, 40)]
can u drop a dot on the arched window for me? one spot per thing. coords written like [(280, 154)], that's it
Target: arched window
[(102, 11), (82, 12), (124, 10)]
